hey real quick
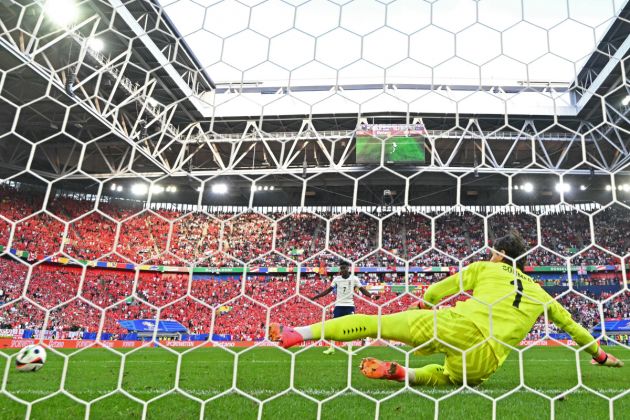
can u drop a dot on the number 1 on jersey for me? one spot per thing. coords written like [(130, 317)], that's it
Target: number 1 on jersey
[(519, 296)]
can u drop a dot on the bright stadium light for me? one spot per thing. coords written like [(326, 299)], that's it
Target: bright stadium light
[(271, 188), (219, 188), (96, 44), (582, 187), (265, 188), (157, 189), (62, 12), (113, 187), (563, 187), (139, 189), (625, 101), (119, 188), (527, 187), (608, 187)]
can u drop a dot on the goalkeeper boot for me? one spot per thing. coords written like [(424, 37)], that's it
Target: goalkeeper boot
[(329, 350), (377, 369), (286, 336)]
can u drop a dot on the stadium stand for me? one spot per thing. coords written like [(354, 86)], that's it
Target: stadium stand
[(143, 236)]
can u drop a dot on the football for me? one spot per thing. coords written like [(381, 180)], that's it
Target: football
[(30, 358)]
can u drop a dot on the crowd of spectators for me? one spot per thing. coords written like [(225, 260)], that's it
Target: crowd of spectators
[(51, 285), (585, 310), (353, 235), (13, 276), (143, 238), (556, 236), (580, 280), (459, 234), (406, 234), (301, 235), (79, 299), (127, 232), (90, 238), (195, 237), (40, 235), (248, 236), (611, 229)]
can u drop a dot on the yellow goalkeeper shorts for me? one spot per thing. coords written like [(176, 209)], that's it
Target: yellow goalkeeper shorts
[(446, 332)]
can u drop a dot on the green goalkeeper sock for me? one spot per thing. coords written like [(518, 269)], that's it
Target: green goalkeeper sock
[(354, 327), (431, 375)]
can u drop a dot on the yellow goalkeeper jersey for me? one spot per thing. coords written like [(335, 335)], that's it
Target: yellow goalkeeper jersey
[(497, 306)]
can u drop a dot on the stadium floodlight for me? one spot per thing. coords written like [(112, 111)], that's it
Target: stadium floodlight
[(139, 189), (96, 44), (119, 188), (608, 187), (62, 12), (527, 187), (271, 188), (173, 188), (157, 189), (563, 187), (219, 188), (582, 187), (625, 101), (516, 187), (265, 187), (113, 187)]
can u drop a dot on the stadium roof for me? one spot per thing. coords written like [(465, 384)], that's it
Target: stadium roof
[(256, 52), (138, 105), (405, 28)]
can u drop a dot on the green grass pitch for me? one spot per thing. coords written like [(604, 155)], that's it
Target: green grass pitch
[(407, 149), (266, 372)]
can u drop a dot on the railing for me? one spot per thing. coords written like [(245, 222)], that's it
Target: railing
[(431, 134)]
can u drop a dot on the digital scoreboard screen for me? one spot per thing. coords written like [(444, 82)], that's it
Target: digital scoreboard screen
[(398, 143)]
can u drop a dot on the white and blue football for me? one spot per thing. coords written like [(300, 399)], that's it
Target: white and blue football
[(30, 358)]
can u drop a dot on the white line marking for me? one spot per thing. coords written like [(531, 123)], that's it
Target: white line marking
[(320, 392)]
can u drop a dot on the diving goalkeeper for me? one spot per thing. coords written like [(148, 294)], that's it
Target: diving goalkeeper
[(505, 305)]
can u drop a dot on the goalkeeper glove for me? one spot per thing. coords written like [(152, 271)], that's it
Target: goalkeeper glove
[(604, 359)]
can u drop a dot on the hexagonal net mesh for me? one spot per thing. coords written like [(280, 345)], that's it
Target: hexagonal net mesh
[(178, 175)]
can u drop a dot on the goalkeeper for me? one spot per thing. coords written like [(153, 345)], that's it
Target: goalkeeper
[(505, 305)]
